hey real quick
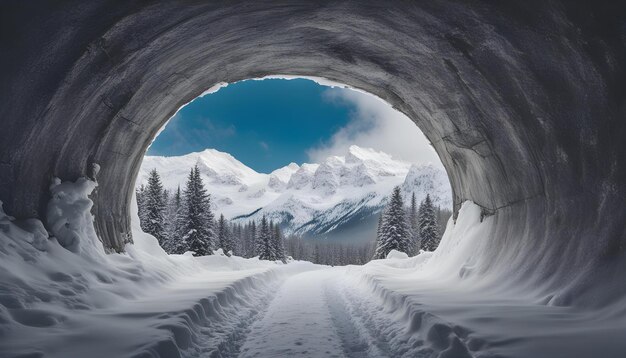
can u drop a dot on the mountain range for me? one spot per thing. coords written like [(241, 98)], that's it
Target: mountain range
[(337, 199)]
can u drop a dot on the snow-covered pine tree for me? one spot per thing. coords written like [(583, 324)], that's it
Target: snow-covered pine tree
[(379, 227), (379, 236), (251, 241), (235, 234), (239, 243), (224, 237), (279, 244), (316, 257), (395, 233), (264, 241), (141, 205), (428, 226), (177, 242), (270, 253), (414, 225), (196, 222), (243, 240), (169, 219), (172, 227), (155, 207)]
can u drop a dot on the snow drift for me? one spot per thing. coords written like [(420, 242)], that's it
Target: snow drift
[(453, 303), (62, 296)]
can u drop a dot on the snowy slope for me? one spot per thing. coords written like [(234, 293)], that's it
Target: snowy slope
[(318, 199)]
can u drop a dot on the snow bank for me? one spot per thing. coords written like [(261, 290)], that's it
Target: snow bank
[(62, 295), (69, 217), (396, 255), (448, 303)]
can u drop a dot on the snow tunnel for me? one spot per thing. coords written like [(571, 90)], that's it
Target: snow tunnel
[(524, 103)]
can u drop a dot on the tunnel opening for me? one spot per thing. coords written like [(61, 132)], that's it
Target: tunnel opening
[(314, 158)]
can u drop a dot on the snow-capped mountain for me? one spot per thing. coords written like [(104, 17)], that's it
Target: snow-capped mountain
[(339, 195)]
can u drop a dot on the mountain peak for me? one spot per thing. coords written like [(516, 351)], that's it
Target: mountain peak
[(364, 175), (357, 154), (281, 176)]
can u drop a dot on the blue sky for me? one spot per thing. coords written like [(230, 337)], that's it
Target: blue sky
[(268, 124)]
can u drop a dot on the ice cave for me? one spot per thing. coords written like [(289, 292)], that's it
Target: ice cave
[(524, 102)]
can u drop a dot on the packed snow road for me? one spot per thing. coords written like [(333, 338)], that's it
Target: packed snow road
[(307, 317), (320, 311), (314, 314)]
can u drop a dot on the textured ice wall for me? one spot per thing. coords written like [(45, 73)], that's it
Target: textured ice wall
[(523, 101)]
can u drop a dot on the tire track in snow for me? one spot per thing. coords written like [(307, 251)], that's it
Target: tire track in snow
[(230, 343), (224, 335), (354, 338), (386, 336), (298, 321)]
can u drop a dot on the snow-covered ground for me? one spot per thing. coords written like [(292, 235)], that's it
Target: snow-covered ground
[(56, 302)]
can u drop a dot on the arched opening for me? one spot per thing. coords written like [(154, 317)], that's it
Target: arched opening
[(318, 160)]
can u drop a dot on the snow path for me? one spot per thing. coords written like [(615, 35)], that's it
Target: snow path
[(297, 321), (311, 317)]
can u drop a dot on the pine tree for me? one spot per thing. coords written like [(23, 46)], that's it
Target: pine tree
[(141, 206), (428, 226), (251, 241), (272, 256), (379, 235), (173, 223), (196, 220), (169, 219), (263, 241), (379, 228), (177, 243), (235, 234), (278, 244), (395, 233), (317, 256), (414, 226), (224, 237), (154, 209)]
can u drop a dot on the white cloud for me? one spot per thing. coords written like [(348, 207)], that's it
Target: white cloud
[(375, 124)]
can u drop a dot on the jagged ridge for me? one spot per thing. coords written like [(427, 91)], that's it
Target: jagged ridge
[(318, 199)]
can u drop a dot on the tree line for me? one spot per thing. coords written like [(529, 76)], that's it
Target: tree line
[(327, 252), (184, 222), (408, 232)]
